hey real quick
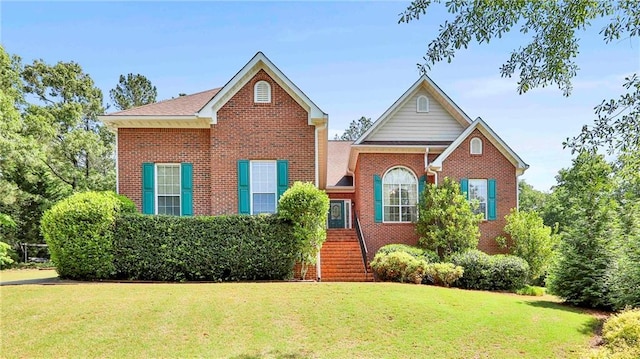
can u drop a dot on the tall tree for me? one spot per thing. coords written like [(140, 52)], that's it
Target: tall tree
[(355, 130), (586, 253), (132, 91), (78, 149), (530, 199), (549, 58)]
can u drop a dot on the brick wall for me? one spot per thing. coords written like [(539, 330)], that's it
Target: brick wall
[(491, 164), (164, 145), (264, 131), (378, 234)]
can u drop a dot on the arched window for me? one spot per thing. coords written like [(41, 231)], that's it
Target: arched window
[(262, 92), (476, 146), (400, 195), (422, 104)]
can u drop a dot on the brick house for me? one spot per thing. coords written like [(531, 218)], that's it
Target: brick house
[(237, 148)]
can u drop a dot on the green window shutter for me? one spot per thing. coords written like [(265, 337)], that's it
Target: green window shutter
[(186, 173), (491, 200), (243, 187), (283, 176), (421, 183), (148, 188), (377, 198), (464, 187)]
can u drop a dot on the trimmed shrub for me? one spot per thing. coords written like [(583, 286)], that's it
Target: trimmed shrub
[(443, 274), (485, 272), (306, 207), (415, 252), (221, 248), (79, 232), (8, 255), (621, 334), (398, 267)]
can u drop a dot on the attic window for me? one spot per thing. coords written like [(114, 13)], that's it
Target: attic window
[(262, 92), (423, 104), (476, 146)]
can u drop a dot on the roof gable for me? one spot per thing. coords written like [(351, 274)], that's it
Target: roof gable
[(180, 106), (257, 63), (444, 121), (506, 151)]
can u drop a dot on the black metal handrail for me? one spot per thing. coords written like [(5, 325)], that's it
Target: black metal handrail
[(363, 245)]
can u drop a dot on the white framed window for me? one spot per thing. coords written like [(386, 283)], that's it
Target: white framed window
[(168, 188), (262, 92), (399, 195), (263, 187), (476, 146), (478, 194), (422, 105)]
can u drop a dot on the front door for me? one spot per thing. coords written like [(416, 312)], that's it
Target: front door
[(336, 214)]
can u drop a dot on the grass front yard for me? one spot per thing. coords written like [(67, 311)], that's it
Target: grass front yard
[(290, 320)]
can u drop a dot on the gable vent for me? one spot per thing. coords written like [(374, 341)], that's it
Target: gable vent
[(262, 92)]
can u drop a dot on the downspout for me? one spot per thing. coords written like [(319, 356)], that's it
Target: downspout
[(117, 175), (318, 128)]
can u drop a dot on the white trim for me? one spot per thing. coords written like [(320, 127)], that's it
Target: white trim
[(425, 81), (356, 150), (348, 224), (400, 205), (275, 182), (258, 62), (117, 172), (520, 165), (486, 194), (418, 104), (155, 184)]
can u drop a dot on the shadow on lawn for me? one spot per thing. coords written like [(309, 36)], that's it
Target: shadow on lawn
[(593, 326), (274, 354)]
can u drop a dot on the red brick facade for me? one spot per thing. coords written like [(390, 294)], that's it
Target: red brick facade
[(491, 164), (245, 130)]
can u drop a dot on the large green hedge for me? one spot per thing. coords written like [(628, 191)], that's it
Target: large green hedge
[(220, 248), (79, 232)]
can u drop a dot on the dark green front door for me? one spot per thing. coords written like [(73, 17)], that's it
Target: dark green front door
[(336, 214)]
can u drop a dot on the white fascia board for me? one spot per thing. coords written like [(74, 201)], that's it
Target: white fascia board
[(520, 165), (259, 61), (423, 80), (114, 122), (357, 149)]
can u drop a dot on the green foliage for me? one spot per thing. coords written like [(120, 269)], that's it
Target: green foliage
[(530, 199), (306, 207), (79, 232), (170, 248), (624, 283), (580, 274), (532, 241), (446, 223), (485, 272), (355, 130), (8, 255), (398, 267), (443, 274), (532, 291), (418, 253), (132, 91), (621, 334)]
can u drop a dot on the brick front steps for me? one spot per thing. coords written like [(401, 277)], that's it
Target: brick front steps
[(341, 259)]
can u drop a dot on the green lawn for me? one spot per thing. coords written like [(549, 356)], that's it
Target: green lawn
[(26, 274), (289, 320)]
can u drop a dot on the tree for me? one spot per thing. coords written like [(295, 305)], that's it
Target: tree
[(586, 251), (355, 130), (306, 207), (530, 199), (549, 58), (446, 222), (532, 241), (625, 276), (77, 149), (132, 91)]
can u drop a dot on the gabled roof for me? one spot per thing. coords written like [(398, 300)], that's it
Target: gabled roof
[(257, 63), (479, 124), (426, 82), (180, 106)]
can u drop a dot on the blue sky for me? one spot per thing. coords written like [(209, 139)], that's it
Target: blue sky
[(351, 58)]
